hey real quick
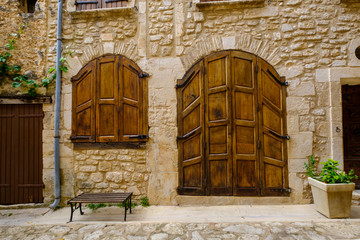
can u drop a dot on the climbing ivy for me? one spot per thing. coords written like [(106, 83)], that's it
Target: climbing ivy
[(13, 72)]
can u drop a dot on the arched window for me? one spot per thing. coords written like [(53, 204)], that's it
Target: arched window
[(109, 102)]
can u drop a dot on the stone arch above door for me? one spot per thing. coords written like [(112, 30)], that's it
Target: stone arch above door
[(232, 127), (245, 42)]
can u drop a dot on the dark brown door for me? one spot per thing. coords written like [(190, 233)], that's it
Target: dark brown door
[(351, 126), (21, 154), (232, 127)]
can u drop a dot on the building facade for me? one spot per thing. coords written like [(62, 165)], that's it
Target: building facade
[(191, 102)]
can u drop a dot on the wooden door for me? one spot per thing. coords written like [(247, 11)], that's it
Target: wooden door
[(21, 154), (272, 131), (351, 126), (191, 132), (232, 127)]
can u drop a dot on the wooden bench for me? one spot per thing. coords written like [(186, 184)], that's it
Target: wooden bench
[(124, 198)]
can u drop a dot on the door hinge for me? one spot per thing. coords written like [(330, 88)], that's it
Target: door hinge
[(142, 136), (143, 75), (288, 190), (256, 68)]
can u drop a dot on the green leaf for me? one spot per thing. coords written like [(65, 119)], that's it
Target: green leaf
[(16, 84), (16, 68), (51, 69), (63, 68)]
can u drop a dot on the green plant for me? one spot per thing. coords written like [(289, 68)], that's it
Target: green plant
[(310, 167), (14, 71), (10, 214), (330, 172), (144, 201), (93, 206), (121, 205)]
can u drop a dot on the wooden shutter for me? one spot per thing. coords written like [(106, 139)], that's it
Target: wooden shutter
[(218, 124), (83, 107), (272, 131), (245, 125), (107, 97), (132, 102), (87, 4), (191, 132)]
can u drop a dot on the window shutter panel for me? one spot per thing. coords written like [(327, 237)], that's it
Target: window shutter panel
[(272, 131), (133, 98), (191, 132), (107, 98), (83, 110)]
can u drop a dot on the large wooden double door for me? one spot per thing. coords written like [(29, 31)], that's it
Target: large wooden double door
[(232, 127)]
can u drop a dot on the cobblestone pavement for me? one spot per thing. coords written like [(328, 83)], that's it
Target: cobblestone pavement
[(193, 231), (169, 222)]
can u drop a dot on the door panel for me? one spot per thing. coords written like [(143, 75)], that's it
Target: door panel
[(272, 130), (231, 121), (246, 172), (217, 124), (191, 132)]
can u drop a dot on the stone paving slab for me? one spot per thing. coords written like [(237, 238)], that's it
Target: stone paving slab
[(178, 231), (170, 222)]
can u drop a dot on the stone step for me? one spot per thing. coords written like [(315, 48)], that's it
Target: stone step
[(356, 197)]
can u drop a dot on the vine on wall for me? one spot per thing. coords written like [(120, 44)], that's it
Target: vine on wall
[(13, 71)]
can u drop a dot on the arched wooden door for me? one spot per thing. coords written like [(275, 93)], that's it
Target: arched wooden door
[(232, 127)]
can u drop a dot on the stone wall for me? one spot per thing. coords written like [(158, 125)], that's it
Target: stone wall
[(303, 40), (121, 170), (32, 47)]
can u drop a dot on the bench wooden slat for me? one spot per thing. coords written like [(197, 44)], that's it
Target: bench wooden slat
[(124, 198)]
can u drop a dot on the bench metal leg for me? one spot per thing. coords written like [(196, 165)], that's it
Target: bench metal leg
[(81, 212), (125, 211), (72, 211)]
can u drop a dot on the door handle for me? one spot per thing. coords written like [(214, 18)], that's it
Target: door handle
[(287, 137)]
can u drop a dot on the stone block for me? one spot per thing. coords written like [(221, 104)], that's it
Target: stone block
[(297, 106), (293, 124), (198, 16), (104, 166), (261, 12), (296, 165), (228, 42), (114, 176), (96, 177), (307, 124), (300, 145), (304, 89), (87, 168), (107, 37), (162, 188)]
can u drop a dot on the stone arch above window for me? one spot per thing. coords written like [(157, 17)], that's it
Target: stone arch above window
[(109, 101)]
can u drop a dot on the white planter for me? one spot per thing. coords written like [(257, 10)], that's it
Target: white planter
[(332, 200)]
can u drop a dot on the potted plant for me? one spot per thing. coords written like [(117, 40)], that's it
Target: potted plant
[(331, 189)]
